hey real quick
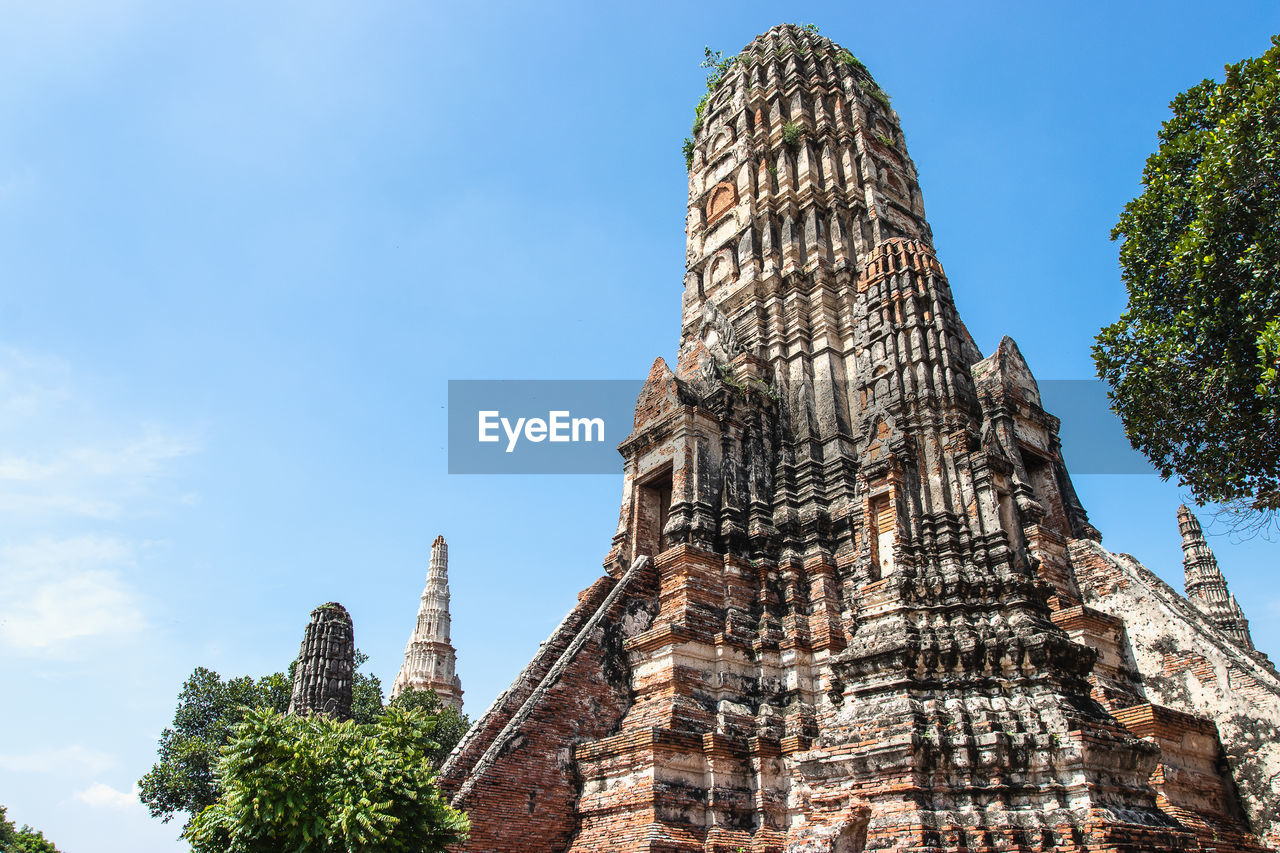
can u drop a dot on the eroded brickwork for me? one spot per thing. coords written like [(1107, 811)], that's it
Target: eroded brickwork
[(1193, 780), (515, 773), (841, 609)]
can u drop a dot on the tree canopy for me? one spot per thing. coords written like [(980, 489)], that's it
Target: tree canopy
[(1193, 360), (25, 840), (209, 708), (208, 711), (184, 779), (451, 724), (316, 785)]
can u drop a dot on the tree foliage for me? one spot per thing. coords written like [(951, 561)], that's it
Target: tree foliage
[(315, 785), (366, 695), (1193, 360), (717, 68), (25, 840), (451, 724), (8, 833), (209, 709)]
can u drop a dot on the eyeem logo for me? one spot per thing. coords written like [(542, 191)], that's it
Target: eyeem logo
[(558, 426), (528, 426), (539, 426)]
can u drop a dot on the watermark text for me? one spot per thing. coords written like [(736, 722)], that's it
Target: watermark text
[(557, 426)]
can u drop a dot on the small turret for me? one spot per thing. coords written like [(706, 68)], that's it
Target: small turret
[(1206, 585)]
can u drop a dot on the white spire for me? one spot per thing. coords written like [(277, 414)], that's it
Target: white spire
[(429, 657)]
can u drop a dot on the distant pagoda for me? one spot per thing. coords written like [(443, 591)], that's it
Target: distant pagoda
[(430, 660), (326, 664)]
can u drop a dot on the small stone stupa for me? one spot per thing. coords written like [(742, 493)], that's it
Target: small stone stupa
[(326, 664)]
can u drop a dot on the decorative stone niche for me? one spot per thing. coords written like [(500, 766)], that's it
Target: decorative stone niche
[(721, 201)]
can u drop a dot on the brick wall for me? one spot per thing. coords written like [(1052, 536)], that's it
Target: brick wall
[(519, 786)]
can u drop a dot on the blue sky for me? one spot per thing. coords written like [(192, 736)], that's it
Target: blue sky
[(244, 246)]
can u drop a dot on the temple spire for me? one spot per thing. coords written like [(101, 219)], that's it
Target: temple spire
[(430, 659), (1206, 585), (326, 664)]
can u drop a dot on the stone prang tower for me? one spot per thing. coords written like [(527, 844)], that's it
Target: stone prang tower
[(430, 660), (326, 664), (841, 610), (1206, 586)]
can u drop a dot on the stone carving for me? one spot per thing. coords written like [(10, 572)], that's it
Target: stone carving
[(430, 660), (718, 334), (326, 664), (873, 586)]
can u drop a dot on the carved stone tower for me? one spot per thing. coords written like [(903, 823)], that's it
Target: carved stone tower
[(1206, 585), (326, 664), (430, 660), (827, 619)]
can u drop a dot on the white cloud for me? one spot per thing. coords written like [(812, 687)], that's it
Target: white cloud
[(139, 457), (16, 468), (84, 605), (89, 480), (68, 461), (103, 796), (68, 759), (64, 458), (56, 594), (14, 504), (133, 458)]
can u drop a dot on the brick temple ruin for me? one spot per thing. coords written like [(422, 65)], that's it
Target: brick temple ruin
[(853, 602)]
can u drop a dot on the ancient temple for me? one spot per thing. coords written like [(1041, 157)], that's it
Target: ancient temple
[(322, 680), (430, 660), (853, 602)]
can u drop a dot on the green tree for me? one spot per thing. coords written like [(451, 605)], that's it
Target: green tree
[(33, 841), (1193, 360), (25, 840), (450, 724), (8, 834), (315, 785), (209, 709)]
